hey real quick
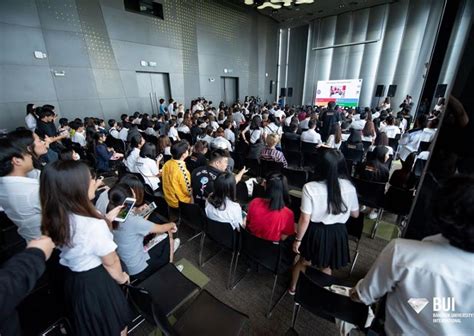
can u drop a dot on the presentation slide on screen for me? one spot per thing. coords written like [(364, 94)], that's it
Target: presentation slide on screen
[(345, 92)]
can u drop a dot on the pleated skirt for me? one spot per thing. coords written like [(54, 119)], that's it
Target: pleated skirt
[(97, 303), (326, 245)]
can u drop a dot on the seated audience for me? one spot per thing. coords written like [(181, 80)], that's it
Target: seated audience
[(221, 205), (220, 141), (311, 136), (148, 164), (354, 141), (270, 153), (404, 178), (335, 137), (198, 156), (375, 169), (268, 217), (130, 158), (129, 235), (390, 129)]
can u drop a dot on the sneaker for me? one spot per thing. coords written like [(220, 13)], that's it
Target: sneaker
[(373, 215), (177, 242), (180, 267), (292, 293)]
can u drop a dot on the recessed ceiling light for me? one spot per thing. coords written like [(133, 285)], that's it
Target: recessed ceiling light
[(269, 4)]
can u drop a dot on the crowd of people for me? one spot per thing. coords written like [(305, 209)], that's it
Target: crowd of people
[(52, 189)]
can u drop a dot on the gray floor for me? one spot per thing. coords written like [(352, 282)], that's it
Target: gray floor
[(253, 292)]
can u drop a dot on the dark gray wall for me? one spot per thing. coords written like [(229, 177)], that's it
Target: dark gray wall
[(99, 47), (297, 60)]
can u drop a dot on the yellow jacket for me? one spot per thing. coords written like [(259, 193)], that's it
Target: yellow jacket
[(175, 188)]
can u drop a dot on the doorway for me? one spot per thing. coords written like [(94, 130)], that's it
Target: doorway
[(229, 90), (152, 86)]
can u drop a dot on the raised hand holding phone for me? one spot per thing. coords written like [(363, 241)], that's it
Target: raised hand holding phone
[(127, 207)]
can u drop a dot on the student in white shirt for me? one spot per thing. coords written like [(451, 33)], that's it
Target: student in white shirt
[(368, 132), (391, 130), (130, 158), (31, 117), (228, 133), (273, 127), (87, 249), (311, 136), (438, 267), (206, 135), (429, 132), (326, 205), (254, 131), (221, 205), (147, 165), (129, 236), (79, 133), (123, 133), (171, 107), (335, 136), (220, 141), (172, 131)]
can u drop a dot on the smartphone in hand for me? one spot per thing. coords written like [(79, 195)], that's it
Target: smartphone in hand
[(125, 211)]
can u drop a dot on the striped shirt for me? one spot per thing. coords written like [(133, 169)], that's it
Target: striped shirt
[(272, 154)]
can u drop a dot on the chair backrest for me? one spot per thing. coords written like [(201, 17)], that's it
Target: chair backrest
[(366, 144), (424, 146), (296, 178), (143, 303), (192, 215), (398, 200), (291, 145), (355, 226), (393, 142), (327, 304), (263, 252), (267, 166), (254, 166), (222, 233), (242, 193), (293, 158), (308, 147), (370, 193), (419, 167), (353, 154)]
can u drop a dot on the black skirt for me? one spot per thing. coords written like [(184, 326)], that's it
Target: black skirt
[(98, 305), (326, 245)]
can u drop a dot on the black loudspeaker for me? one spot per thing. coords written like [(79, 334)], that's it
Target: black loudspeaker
[(380, 91), (271, 86), (441, 90), (392, 89), (290, 92), (283, 92)]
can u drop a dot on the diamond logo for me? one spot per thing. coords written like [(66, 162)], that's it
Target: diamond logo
[(418, 304)]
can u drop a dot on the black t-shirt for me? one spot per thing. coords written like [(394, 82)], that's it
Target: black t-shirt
[(46, 128), (195, 160), (202, 181)]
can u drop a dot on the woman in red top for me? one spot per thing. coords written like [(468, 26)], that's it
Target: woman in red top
[(268, 218)]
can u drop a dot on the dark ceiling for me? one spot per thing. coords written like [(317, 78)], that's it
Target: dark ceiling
[(296, 15)]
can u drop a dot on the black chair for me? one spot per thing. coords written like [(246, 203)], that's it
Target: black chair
[(253, 165), (355, 227), (59, 328), (424, 146), (398, 201), (371, 194), (290, 145), (296, 178), (224, 235), (313, 297), (267, 166), (206, 315), (10, 241), (354, 155), (294, 159), (265, 253), (419, 167), (393, 142), (242, 193), (308, 149), (349, 166), (193, 216), (366, 145)]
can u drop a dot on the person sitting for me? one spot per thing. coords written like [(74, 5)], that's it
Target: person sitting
[(268, 217), (311, 136), (381, 140), (432, 268), (203, 177), (69, 154), (221, 204), (46, 129), (129, 235), (172, 131), (375, 169), (148, 164), (130, 158), (176, 178), (368, 132), (228, 132), (79, 133), (270, 153), (354, 141), (335, 137), (102, 154), (410, 141), (220, 141), (198, 157), (292, 133), (404, 178), (390, 129)]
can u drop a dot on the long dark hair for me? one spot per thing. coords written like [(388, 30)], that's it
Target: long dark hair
[(138, 188), (30, 110), (25, 139), (64, 190), (224, 187), (276, 191), (135, 141), (148, 151), (331, 167), (117, 195)]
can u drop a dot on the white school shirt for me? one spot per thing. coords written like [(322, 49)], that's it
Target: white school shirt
[(331, 142), (206, 138), (255, 135), (427, 269), (173, 133), (131, 160), (114, 133), (79, 138), (123, 134), (428, 134), (391, 131), (183, 129), (229, 135), (19, 198), (272, 128), (279, 114), (409, 143), (91, 239), (314, 202), (231, 213), (102, 202), (30, 122), (149, 170), (222, 143), (311, 136), (358, 124)]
